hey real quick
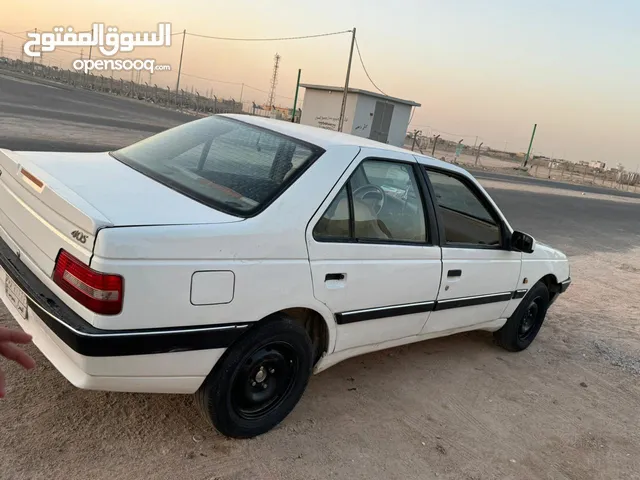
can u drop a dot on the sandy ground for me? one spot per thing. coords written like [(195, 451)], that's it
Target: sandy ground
[(455, 408)]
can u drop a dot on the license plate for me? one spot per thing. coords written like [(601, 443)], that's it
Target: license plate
[(16, 296)]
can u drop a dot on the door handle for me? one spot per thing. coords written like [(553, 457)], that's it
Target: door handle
[(333, 276), (454, 273)]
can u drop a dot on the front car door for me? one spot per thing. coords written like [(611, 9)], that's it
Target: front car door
[(479, 272), (373, 250)]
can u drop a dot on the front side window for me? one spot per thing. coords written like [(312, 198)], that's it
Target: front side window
[(380, 202), (466, 220), (227, 164)]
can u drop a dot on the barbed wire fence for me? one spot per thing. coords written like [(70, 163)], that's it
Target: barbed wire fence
[(470, 151)]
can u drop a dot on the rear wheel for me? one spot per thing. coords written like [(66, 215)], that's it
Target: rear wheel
[(525, 323), (259, 380)]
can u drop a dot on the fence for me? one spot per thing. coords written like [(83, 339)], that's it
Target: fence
[(540, 167), (142, 91), (584, 174)]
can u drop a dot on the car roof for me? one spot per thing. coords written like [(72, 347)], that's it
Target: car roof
[(328, 138), (317, 136)]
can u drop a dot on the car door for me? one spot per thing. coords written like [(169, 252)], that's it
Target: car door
[(479, 272), (373, 258)]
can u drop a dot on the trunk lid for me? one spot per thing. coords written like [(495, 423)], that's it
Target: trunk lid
[(50, 201)]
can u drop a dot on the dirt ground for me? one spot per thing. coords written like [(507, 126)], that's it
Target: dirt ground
[(455, 408)]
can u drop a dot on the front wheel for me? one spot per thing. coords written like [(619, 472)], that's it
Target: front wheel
[(525, 323), (260, 380)]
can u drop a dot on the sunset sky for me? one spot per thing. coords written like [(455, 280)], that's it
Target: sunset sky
[(490, 68)]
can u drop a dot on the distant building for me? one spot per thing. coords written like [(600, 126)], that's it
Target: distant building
[(367, 114), (599, 165)]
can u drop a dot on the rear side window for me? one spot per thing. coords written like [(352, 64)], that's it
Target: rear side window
[(466, 220), (227, 164)]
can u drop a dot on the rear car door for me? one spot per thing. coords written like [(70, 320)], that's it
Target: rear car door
[(479, 272), (373, 258)]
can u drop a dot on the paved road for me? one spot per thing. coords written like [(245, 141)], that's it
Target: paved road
[(576, 225), (481, 174), (37, 116)]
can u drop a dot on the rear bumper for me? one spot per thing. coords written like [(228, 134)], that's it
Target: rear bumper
[(174, 360)]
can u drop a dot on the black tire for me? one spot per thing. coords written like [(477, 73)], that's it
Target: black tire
[(259, 380), (525, 322)]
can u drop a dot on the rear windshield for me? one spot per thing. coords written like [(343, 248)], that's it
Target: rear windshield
[(224, 163)]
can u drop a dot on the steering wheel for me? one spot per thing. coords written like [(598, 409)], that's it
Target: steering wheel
[(361, 193)]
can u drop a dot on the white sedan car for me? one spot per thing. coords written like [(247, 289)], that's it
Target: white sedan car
[(233, 256)]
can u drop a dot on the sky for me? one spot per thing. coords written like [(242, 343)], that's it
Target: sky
[(490, 69)]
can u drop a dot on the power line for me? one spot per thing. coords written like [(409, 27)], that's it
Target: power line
[(365, 69), (211, 79), (268, 39), (23, 38), (233, 83), (13, 34)]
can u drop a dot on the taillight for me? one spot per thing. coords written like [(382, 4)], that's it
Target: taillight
[(100, 292)]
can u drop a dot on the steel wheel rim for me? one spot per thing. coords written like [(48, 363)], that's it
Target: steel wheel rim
[(531, 319), (264, 380)]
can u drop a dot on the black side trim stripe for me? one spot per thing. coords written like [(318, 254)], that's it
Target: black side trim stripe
[(383, 312), (118, 343), (411, 308), (471, 301), (90, 341)]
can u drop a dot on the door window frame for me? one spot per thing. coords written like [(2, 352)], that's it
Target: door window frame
[(432, 230), (480, 196)]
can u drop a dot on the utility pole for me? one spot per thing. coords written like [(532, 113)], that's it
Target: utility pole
[(415, 136), (184, 34), (474, 146), (533, 134), (33, 58), (295, 99), (241, 92), (346, 82), (505, 146), (1, 47)]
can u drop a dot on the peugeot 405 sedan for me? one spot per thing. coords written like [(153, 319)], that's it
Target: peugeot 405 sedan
[(233, 256)]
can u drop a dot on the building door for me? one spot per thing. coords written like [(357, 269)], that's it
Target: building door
[(381, 121)]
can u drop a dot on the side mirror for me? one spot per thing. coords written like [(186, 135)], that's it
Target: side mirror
[(522, 242)]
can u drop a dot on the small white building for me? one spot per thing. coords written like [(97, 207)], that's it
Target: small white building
[(367, 114)]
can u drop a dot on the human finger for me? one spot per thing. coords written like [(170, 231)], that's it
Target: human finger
[(14, 336), (13, 352)]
